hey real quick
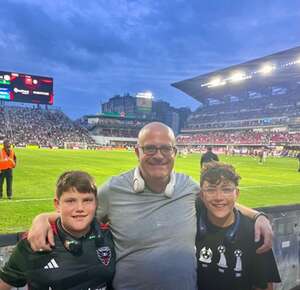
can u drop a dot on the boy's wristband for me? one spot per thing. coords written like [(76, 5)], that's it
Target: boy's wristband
[(260, 213)]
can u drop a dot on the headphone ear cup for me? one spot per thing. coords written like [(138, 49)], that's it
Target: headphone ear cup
[(138, 181), (171, 185), (73, 246)]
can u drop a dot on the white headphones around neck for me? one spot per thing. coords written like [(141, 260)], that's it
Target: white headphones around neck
[(139, 183)]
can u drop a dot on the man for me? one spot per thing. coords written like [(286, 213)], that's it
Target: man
[(83, 258), (298, 156), (151, 211), (226, 251), (7, 163), (208, 156)]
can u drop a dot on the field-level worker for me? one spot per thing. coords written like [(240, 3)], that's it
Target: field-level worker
[(7, 163)]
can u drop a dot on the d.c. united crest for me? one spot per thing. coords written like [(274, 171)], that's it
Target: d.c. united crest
[(104, 255)]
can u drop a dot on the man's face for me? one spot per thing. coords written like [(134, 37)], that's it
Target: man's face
[(77, 211), (219, 199), (156, 165)]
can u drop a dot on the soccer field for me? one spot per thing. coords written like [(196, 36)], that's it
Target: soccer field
[(274, 183)]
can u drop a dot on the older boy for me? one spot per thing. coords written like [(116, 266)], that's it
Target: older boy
[(226, 252), (83, 257)]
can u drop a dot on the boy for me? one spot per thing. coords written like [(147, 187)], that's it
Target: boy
[(83, 257), (225, 245)]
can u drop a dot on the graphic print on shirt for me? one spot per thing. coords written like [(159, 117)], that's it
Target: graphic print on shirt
[(222, 262), (104, 255), (205, 256), (238, 265)]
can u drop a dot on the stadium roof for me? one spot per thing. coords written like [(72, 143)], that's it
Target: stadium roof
[(279, 70)]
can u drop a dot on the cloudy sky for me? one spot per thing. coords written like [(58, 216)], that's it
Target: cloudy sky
[(95, 49)]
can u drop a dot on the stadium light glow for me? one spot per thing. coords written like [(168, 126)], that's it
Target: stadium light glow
[(215, 82), (237, 76), (145, 95), (267, 68)]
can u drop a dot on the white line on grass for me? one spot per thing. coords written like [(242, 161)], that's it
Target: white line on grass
[(25, 200), (241, 187), (270, 185)]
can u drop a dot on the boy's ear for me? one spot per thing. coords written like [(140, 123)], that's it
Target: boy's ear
[(56, 204), (237, 192)]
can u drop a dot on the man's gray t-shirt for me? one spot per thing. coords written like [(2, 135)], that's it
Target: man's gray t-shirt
[(154, 234)]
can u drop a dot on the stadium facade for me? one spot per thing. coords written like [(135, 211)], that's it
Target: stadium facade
[(256, 103)]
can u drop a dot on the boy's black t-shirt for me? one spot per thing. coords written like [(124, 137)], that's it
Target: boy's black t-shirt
[(224, 265)]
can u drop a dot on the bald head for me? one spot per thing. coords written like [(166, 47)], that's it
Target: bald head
[(159, 128)]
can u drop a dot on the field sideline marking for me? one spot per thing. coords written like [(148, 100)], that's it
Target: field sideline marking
[(269, 185), (241, 187), (25, 200)]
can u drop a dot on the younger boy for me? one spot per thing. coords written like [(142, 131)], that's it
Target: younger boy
[(226, 252), (83, 257)]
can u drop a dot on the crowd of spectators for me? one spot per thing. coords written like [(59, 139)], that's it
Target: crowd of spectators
[(240, 137), (247, 112), (42, 127)]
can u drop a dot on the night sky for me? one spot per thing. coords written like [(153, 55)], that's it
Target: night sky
[(95, 49)]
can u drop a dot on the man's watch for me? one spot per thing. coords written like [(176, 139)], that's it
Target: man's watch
[(258, 214)]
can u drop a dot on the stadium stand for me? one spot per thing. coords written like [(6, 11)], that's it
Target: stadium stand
[(41, 127), (113, 130), (257, 109)]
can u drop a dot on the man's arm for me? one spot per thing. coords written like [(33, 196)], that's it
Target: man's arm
[(40, 235), (263, 228), (270, 287)]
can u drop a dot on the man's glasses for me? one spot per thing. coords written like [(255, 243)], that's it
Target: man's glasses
[(164, 149)]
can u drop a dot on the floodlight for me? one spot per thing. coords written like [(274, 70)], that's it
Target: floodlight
[(145, 95), (266, 69), (237, 76)]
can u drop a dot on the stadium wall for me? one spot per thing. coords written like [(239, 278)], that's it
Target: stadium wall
[(104, 140), (286, 244)]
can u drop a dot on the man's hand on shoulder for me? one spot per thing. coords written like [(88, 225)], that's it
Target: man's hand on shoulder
[(263, 230), (40, 235)]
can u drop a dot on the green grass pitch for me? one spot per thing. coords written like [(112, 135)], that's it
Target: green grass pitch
[(276, 182)]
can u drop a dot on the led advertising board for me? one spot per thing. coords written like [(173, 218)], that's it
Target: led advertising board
[(18, 87)]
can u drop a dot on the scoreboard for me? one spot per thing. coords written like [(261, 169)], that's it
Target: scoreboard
[(18, 87)]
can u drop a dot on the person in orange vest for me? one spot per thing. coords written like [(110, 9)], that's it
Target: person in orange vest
[(7, 163)]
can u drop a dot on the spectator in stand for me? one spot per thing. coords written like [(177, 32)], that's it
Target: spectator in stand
[(8, 161), (208, 156)]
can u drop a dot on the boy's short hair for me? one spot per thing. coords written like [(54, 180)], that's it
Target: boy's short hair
[(78, 180), (216, 172)]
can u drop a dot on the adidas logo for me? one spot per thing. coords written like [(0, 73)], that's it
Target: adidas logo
[(51, 265)]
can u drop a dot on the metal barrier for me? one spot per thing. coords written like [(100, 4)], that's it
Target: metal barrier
[(286, 244)]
